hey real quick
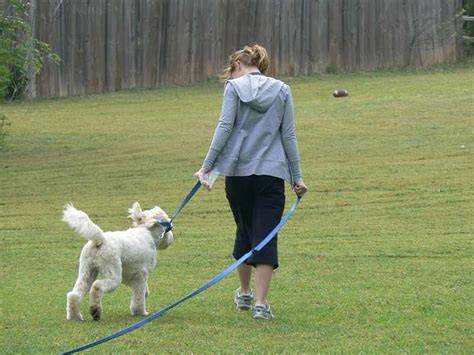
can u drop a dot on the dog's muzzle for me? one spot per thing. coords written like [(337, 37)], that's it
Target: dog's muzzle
[(168, 226)]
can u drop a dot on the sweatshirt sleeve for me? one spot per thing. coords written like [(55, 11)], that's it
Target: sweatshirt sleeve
[(224, 126), (290, 143)]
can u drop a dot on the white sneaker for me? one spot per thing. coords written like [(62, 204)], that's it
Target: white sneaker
[(243, 301), (261, 311)]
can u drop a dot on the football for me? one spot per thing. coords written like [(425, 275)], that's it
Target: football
[(340, 93)]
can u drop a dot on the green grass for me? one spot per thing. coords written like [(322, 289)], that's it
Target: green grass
[(378, 258)]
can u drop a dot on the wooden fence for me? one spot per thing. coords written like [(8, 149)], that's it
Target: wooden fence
[(108, 45)]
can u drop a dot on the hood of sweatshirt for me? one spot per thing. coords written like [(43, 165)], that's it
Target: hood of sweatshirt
[(257, 90)]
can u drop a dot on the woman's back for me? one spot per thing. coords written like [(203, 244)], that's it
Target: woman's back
[(255, 127)]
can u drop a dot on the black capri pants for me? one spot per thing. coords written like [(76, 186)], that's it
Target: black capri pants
[(257, 203)]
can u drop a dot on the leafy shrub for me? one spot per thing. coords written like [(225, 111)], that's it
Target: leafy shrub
[(19, 51), (468, 26)]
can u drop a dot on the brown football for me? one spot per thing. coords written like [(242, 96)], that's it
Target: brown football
[(340, 93)]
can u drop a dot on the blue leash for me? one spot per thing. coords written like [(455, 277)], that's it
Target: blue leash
[(204, 287), (186, 200), (169, 225)]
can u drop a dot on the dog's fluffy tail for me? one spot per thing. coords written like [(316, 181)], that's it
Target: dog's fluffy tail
[(81, 223)]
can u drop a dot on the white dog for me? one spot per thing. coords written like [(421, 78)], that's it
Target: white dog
[(111, 258)]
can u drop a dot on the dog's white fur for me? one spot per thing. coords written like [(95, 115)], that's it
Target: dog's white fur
[(111, 258)]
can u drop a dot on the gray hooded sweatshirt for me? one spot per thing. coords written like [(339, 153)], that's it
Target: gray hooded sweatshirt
[(256, 131)]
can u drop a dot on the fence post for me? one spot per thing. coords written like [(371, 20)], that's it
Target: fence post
[(31, 87)]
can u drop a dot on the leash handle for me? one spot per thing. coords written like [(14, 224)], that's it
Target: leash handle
[(197, 291)]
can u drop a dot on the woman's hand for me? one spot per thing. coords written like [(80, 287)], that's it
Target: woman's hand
[(201, 176), (300, 188)]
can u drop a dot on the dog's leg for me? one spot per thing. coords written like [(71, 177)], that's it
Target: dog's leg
[(74, 297), (111, 280), (139, 288)]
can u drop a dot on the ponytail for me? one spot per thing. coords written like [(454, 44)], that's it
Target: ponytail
[(259, 58), (255, 56)]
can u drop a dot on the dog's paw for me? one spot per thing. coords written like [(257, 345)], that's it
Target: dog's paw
[(77, 317), (95, 312), (139, 312)]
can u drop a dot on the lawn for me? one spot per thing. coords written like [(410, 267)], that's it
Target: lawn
[(377, 259)]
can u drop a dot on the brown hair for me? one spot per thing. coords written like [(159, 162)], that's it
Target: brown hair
[(249, 56)]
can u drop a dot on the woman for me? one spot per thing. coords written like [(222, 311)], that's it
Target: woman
[(255, 148)]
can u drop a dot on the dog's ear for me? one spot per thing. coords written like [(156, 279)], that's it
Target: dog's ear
[(135, 213)]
